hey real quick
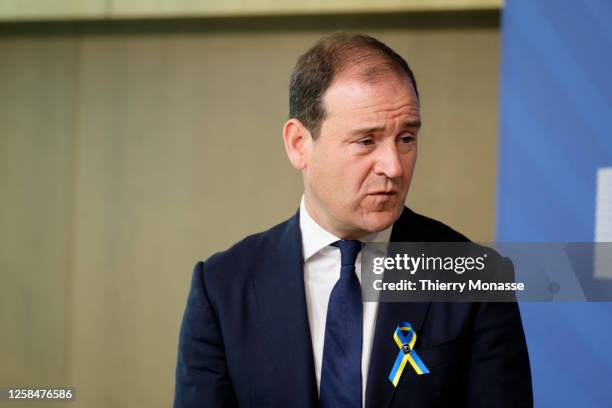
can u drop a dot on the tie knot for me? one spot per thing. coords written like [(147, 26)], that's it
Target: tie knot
[(348, 251)]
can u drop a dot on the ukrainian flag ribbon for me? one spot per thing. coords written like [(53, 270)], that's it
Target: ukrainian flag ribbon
[(405, 337)]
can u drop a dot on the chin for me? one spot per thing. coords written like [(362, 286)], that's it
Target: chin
[(379, 220)]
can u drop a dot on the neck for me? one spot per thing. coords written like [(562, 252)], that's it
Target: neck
[(326, 223)]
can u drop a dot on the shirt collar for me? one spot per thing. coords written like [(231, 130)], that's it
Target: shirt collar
[(315, 238)]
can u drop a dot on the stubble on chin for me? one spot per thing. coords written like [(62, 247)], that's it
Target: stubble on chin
[(377, 216)]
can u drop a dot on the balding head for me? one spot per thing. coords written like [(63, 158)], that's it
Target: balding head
[(338, 54)]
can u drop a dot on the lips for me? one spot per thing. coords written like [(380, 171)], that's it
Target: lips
[(385, 193)]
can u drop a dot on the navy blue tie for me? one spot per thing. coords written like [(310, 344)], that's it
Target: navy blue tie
[(341, 367)]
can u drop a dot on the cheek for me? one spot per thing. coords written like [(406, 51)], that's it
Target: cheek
[(408, 163), (328, 176), (359, 177), (342, 174), (339, 180)]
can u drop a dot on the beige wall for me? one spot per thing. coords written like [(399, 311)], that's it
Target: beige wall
[(37, 10), (129, 152)]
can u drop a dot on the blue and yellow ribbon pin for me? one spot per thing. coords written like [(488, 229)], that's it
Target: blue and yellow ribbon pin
[(405, 337)]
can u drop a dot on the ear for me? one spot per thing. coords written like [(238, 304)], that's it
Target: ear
[(296, 138)]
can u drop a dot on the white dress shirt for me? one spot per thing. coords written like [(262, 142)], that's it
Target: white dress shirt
[(321, 272)]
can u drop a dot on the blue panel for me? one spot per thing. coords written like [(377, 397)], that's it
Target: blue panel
[(555, 132)]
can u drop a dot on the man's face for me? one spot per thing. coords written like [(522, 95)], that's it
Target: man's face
[(358, 171)]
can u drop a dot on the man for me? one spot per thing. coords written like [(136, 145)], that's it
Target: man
[(277, 320)]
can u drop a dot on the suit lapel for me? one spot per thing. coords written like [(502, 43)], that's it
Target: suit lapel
[(379, 390), (281, 303)]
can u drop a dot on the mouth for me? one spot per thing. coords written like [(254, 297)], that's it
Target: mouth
[(383, 197), (383, 193)]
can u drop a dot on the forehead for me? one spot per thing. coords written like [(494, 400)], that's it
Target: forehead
[(355, 96)]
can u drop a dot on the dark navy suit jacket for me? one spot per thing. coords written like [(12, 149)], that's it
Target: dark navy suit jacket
[(245, 339)]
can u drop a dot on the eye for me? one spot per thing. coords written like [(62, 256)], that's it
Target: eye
[(407, 139), (366, 142)]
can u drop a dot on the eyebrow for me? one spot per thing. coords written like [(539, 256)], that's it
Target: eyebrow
[(374, 129)]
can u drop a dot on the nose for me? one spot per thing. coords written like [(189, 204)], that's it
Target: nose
[(388, 162)]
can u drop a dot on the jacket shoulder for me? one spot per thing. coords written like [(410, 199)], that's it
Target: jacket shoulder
[(238, 261), (414, 227)]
